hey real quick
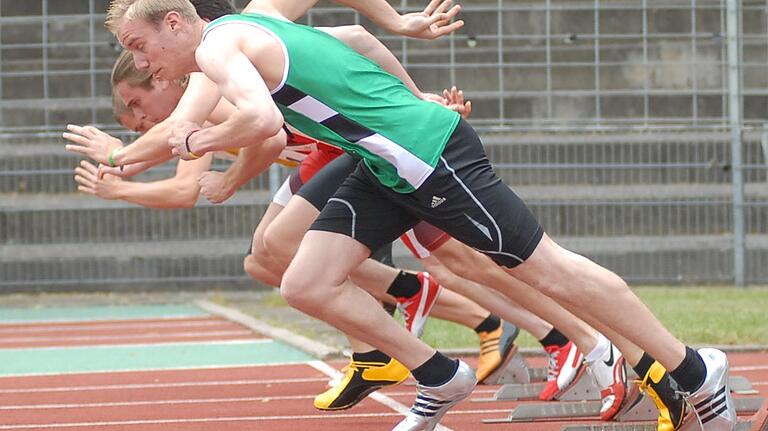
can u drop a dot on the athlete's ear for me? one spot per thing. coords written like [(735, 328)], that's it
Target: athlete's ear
[(172, 20)]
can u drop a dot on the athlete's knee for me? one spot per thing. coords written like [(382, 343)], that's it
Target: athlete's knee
[(299, 291), (260, 271), (253, 269)]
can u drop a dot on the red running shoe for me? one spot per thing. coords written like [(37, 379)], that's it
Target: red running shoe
[(564, 366), (416, 309), (611, 378)]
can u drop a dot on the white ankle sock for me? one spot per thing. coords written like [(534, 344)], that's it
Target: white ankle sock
[(601, 348)]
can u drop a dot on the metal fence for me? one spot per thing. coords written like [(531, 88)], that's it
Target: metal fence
[(634, 129)]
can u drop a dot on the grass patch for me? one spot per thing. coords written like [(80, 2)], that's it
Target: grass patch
[(703, 315), (698, 316)]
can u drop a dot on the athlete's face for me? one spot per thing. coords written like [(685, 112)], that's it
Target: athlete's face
[(165, 48), (154, 104), (129, 121)]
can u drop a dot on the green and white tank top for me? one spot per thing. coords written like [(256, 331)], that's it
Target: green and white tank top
[(333, 94)]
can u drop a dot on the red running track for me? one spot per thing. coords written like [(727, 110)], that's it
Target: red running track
[(275, 398), (271, 398)]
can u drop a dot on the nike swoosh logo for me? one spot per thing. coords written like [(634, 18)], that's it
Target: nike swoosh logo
[(609, 362)]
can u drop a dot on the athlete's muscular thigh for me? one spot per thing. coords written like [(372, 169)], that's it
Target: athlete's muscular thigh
[(283, 236)]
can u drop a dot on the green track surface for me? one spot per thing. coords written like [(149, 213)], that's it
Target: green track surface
[(84, 359), (146, 357)]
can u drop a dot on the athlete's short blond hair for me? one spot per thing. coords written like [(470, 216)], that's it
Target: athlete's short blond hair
[(152, 11)]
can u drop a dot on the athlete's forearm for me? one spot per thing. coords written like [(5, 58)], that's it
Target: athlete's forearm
[(253, 160), (165, 194), (359, 39), (292, 9), (181, 191), (134, 169), (150, 146), (243, 128), (378, 11)]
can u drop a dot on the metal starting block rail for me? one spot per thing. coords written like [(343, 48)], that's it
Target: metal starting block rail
[(517, 371), (740, 426), (583, 389), (642, 410)]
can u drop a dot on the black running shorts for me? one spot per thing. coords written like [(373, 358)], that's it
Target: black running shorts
[(324, 184), (463, 197)]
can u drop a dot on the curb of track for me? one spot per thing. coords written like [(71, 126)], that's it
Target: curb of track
[(323, 351), (314, 348)]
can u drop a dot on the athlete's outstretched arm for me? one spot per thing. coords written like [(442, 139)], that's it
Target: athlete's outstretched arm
[(252, 160), (196, 105), (434, 21), (366, 44), (256, 117), (359, 39), (181, 191)]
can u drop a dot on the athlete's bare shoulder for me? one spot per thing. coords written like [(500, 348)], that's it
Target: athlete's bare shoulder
[(234, 38)]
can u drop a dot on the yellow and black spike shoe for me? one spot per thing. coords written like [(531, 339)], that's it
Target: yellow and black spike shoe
[(664, 392), (496, 350), (360, 379)]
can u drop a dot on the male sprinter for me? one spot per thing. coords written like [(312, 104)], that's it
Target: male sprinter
[(152, 101)]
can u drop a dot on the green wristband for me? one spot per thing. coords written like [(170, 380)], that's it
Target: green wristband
[(111, 158)]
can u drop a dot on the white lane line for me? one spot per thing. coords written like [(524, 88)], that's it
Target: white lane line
[(117, 338), (191, 401), (155, 402), (185, 323), (750, 368), (236, 419), (377, 396), (164, 385)]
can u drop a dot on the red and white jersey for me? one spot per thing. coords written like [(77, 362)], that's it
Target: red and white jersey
[(299, 147)]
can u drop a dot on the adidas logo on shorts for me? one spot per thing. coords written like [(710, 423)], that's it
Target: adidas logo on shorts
[(436, 201)]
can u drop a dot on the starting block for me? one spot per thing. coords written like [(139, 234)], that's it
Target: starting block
[(583, 389), (741, 385), (517, 371), (641, 410), (740, 426)]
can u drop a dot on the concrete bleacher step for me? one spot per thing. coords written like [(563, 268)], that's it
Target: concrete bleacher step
[(524, 159), (628, 158), (48, 168), (59, 218), (168, 264), (660, 259), (577, 210)]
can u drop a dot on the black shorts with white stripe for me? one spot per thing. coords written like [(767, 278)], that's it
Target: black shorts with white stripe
[(463, 197)]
